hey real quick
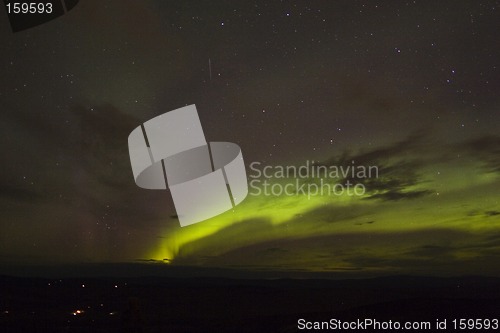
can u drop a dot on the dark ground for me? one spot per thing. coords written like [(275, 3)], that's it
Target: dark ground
[(234, 305)]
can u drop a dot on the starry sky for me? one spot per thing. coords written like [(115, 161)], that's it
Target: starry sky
[(409, 86)]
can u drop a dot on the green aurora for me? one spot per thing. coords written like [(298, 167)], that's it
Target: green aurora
[(433, 208)]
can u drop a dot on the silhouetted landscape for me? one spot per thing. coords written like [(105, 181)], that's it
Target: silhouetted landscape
[(164, 304)]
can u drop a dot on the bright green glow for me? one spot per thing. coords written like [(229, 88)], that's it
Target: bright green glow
[(294, 229), (274, 209)]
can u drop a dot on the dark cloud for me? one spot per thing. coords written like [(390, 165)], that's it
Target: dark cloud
[(13, 193), (400, 165), (431, 251), (332, 214), (492, 213), (374, 156), (363, 223), (395, 195), (85, 160), (488, 213), (486, 149), (72, 177), (398, 168)]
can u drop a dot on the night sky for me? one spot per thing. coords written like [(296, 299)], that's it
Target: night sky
[(409, 86)]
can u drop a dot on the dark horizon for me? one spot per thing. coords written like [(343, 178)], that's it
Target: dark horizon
[(244, 305)]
